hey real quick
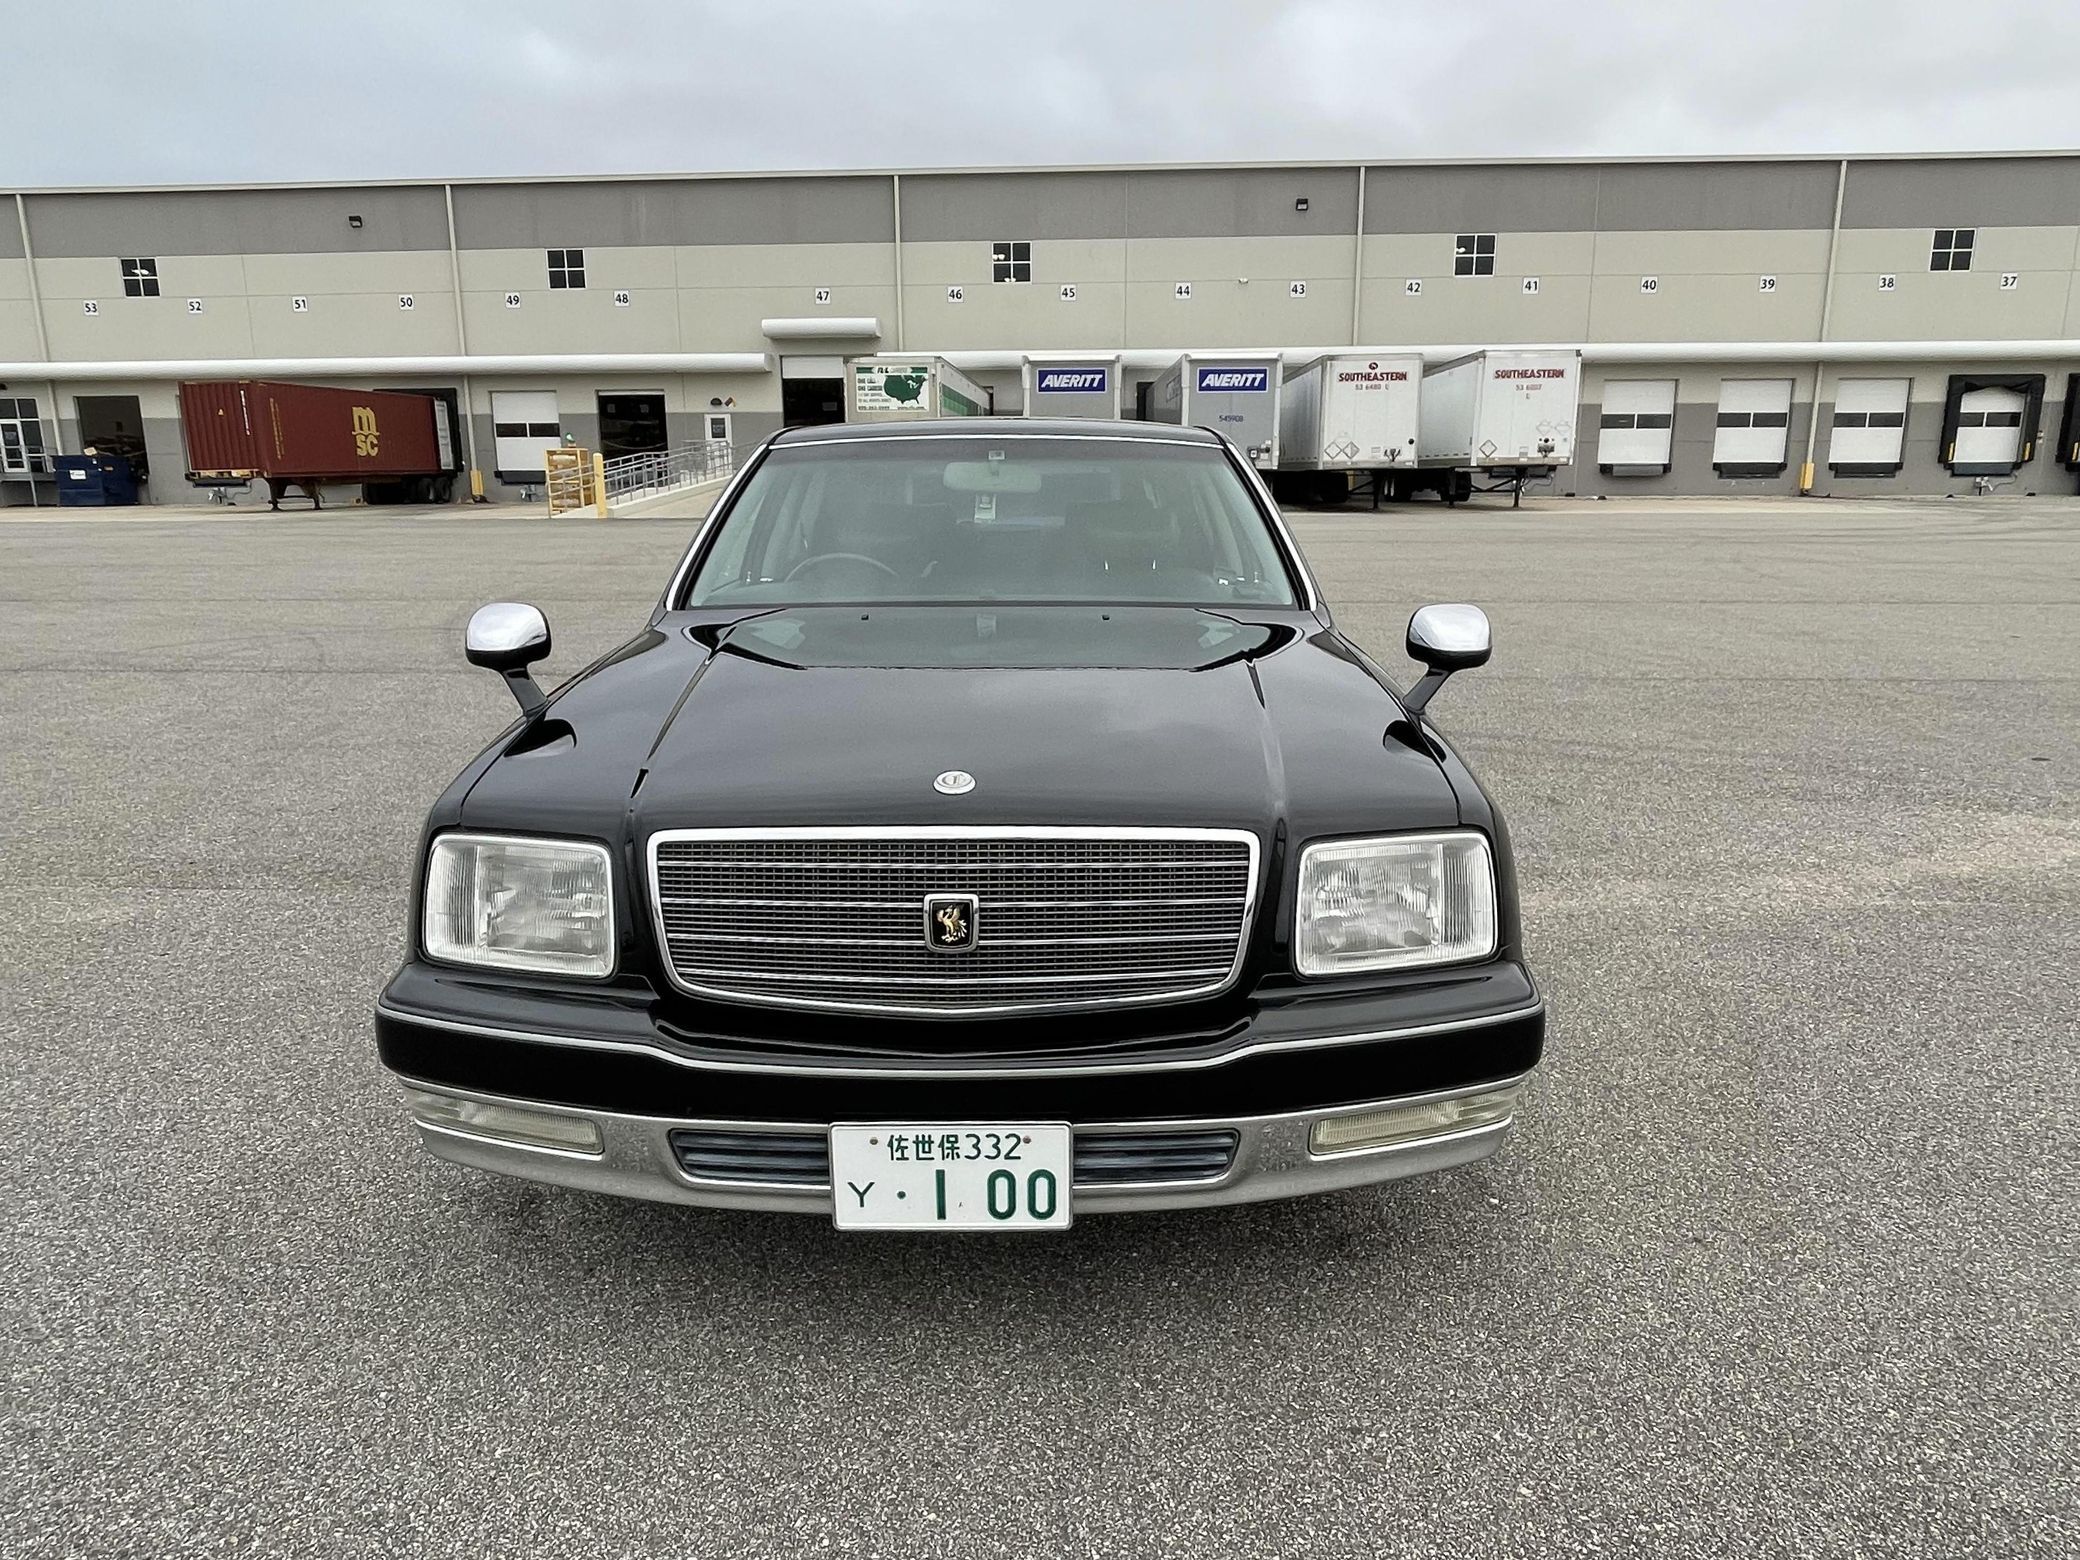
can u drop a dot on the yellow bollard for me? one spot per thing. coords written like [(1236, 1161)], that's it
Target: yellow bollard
[(599, 483)]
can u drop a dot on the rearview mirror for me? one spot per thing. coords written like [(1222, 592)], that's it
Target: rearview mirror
[(508, 637), (1447, 637)]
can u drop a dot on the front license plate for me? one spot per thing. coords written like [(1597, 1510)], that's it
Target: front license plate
[(952, 1175)]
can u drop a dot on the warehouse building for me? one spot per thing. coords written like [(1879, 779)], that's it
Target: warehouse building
[(1906, 324)]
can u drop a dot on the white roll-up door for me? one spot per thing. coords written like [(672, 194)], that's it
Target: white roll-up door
[(524, 424), (1754, 423), (1870, 426), (1638, 424), (1989, 429)]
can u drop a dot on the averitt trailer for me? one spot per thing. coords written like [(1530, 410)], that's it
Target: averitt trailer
[(1349, 420), (1071, 387), (894, 388), (1236, 394), (1502, 415), (292, 435)]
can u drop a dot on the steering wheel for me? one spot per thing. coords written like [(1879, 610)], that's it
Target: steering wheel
[(815, 560)]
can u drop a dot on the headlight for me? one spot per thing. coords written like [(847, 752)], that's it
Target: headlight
[(1394, 903), (520, 904)]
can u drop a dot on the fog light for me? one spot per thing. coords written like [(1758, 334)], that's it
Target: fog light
[(1406, 1123), (507, 1123)]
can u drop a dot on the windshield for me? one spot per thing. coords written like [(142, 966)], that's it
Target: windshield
[(1006, 519)]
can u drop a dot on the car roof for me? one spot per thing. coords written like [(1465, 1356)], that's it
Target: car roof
[(998, 428)]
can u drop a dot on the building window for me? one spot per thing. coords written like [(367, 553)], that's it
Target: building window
[(140, 278), (566, 268), (21, 438), (1473, 254), (1011, 260), (1952, 250)]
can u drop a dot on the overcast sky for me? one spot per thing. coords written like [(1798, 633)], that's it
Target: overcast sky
[(208, 91)]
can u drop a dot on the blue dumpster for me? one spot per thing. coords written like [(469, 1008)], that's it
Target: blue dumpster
[(96, 481)]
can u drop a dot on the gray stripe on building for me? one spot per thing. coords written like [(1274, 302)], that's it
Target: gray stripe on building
[(676, 212), (1980, 192), (237, 222)]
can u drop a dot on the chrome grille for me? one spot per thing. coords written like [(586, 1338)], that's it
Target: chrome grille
[(1065, 917), (796, 1158)]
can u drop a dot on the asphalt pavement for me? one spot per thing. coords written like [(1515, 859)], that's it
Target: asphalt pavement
[(1781, 1261)]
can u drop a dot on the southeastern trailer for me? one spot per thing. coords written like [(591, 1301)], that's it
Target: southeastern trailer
[(290, 435), (1347, 422), (1236, 394), (895, 388), (1506, 416)]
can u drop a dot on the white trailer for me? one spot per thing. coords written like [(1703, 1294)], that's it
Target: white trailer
[(1058, 386), (1349, 420), (1236, 394), (1502, 415), (897, 388)]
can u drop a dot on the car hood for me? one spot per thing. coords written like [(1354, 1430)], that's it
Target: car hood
[(1278, 727)]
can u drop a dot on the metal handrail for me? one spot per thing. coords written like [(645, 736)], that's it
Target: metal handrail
[(634, 476)]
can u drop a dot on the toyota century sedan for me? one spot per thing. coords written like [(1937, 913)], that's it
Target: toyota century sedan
[(989, 826)]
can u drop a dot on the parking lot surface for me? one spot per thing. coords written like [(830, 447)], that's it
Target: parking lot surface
[(1780, 1262)]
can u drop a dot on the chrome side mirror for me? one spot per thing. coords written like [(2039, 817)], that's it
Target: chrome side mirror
[(1447, 637), (508, 637)]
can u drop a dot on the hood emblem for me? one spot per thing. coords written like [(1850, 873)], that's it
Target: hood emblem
[(950, 925), (955, 782)]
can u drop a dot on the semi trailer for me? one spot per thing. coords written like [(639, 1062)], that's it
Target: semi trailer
[(1071, 387), (1236, 394), (1348, 422), (892, 388), (304, 436), (1499, 416)]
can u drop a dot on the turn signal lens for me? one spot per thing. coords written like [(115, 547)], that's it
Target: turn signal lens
[(1407, 1123), (508, 1123)]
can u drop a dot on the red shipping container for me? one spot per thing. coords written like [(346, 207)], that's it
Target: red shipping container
[(305, 434)]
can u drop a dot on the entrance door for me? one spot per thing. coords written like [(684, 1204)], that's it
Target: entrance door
[(812, 391), (631, 424), (113, 425), (1989, 431)]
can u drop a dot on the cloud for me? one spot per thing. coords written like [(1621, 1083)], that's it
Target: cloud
[(221, 90)]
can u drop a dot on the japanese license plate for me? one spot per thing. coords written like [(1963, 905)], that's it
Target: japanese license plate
[(952, 1175)]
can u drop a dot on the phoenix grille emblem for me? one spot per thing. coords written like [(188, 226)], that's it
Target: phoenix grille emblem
[(949, 922)]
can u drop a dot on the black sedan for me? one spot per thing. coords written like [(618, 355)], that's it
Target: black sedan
[(990, 825)]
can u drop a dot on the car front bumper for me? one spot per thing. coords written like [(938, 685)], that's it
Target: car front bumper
[(1273, 1155), (601, 1086)]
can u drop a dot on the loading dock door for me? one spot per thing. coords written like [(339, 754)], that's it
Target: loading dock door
[(1989, 431), (1870, 427), (525, 423), (631, 425), (812, 391), (1754, 425), (1637, 428), (113, 425)]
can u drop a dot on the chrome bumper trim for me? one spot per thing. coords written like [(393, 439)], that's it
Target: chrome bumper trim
[(1272, 1158), (1098, 1068)]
